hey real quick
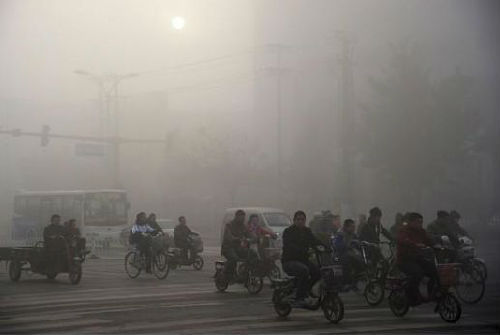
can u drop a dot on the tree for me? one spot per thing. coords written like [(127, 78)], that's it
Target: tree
[(416, 128)]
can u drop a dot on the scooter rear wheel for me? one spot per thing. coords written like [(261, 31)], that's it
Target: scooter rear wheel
[(398, 303)]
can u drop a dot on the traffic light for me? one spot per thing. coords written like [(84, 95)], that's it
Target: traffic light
[(44, 136)]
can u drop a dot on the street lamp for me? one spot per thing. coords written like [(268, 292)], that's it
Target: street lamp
[(178, 23), (108, 94)]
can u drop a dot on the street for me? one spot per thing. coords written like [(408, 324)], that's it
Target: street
[(108, 302)]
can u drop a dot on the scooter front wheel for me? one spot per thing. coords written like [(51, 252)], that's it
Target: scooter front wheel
[(282, 308), (449, 308), (333, 308), (254, 283), (398, 303), (221, 282)]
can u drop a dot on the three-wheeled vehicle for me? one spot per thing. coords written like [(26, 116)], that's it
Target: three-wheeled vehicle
[(45, 260)]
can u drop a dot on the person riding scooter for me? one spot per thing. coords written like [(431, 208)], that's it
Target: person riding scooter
[(182, 239), (345, 243), (235, 243), (297, 239), (412, 239)]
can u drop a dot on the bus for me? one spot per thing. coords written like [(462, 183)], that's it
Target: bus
[(100, 214)]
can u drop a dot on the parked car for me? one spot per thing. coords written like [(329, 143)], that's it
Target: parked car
[(167, 225)]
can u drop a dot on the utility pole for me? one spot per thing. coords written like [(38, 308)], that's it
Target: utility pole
[(346, 95), (108, 96), (278, 71)]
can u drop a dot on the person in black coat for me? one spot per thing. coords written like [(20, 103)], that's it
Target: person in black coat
[(297, 240)]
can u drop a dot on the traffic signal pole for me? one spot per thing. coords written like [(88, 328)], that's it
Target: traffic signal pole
[(114, 141)]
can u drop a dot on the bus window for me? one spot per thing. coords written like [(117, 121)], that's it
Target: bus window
[(120, 208), (105, 209), (19, 206), (72, 208), (32, 207)]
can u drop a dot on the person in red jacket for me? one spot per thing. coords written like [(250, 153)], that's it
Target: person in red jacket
[(411, 258)]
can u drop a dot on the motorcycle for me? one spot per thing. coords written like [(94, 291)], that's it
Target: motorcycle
[(266, 264), (285, 290), (177, 259), (447, 305), (246, 272)]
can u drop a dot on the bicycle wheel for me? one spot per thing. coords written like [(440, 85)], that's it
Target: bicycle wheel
[(221, 282), (471, 285), (133, 266), (481, 267), (374, 292), (198, 263), (160, 266), (449, 308)]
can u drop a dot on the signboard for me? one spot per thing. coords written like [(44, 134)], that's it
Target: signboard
[(90, 149)]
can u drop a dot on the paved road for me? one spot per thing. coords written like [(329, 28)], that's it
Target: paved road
[(107, 302)]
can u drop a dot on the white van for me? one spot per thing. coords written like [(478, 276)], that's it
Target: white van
[(272, 218)]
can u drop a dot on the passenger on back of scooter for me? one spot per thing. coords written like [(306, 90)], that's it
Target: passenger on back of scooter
[(235, 242), (181, 238), (411, 241), (345, 243), (151, 221), (455, 225), (262, 233), (140, 236), (74, 238), (297, 240)]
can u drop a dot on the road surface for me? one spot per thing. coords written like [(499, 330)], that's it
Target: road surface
[(186, 302)]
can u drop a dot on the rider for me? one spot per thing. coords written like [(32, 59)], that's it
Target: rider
[(455, 226), (260, 232), (398, 224), (344, 243), (361, 223), (371, 233), (53, 245), (411, 240), (324, 225), (151, 221), (442, 227), (72, 234), (297, 239), (181, 238), (234, 244), (140, 235), (54, 229)]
